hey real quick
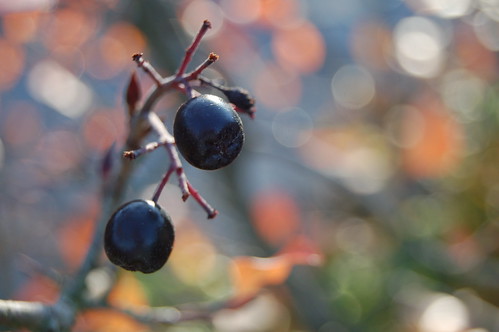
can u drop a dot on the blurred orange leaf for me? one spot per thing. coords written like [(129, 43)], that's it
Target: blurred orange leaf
[(74, 239), (302, 250), (275, 216), (128, 292), (250, 274), (435, 139), (38, 288), (105, 320)]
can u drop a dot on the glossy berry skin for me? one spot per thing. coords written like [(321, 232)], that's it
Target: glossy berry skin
[(139, 236), (208, 132)]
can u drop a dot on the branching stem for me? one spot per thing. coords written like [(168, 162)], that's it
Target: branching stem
[(192, 48), (148, 68), (61, 315)]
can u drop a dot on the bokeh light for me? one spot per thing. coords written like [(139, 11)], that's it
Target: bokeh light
[(21, 27), (371, 44), (463, 92), (25, 5), (282, 14), (353, 87), (489, 8), (58, 88), (419, 46), (59, 151), (444, 313), (22, 126), (473, 54), (241, 11), (405, 125), (111, 53), (299, 48), (102, 128), (485, 28), (12, 63), (361, 164), (443, 8), (292, 128), (355, 236), (67, 30), (276, 87), (195, 259), (195, 12)]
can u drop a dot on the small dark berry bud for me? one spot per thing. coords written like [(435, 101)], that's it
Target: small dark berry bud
[(137, 57), (133, 94), (107, 162), (206, 24), (240, 98)]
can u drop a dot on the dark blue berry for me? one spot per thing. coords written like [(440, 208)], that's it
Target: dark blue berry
[(139, 236), (208, 132)]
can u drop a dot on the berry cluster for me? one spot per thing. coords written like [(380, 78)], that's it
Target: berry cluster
[(208, 133)]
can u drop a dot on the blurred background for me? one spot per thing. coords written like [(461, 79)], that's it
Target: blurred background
[(366, 197)]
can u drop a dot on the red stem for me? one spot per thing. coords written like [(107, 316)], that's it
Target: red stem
[(148, 68), (194, 45), (212, 213), (162, 184), (195, 73)]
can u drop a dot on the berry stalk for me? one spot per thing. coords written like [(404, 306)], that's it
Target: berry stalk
[(192, 48)]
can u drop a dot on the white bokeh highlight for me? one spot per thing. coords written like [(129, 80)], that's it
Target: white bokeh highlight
[(353, 87), (58, 88), (292, 128), (419, 46)]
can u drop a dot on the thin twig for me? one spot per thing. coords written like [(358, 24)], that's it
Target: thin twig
[(212, 213), (147, 68), (194, 45), (159, 127), (35, 267), (162, 184), (196, 72), (149, 147), (156, 92)]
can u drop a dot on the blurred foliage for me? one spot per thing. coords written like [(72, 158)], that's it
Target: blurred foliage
[(374, 152)]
